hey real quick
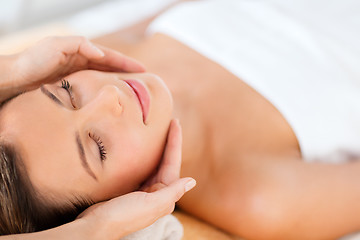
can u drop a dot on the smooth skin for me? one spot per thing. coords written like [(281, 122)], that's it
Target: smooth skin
[(251, 178), (52, 59), (55, 57), (131, 212), (103, 108)]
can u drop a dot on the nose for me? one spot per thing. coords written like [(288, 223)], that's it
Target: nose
[(106, 102)]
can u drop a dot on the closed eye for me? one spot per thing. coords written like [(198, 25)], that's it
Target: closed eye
[(100, 144), (67, 86)]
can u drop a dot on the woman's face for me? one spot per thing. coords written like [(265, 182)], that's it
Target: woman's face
[(100, 149)]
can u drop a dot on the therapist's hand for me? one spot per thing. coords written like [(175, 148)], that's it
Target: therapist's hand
[(169, 169), (56, 57), (123, 215)]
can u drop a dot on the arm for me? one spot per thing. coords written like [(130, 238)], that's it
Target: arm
[(267, 197), (292, 199), (308, 200)]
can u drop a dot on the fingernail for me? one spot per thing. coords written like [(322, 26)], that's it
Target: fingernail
[(189, 185)]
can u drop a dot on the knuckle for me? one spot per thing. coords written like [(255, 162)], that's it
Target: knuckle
[(61, 58)]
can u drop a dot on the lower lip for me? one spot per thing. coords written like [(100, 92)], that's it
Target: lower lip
[(142, 95)]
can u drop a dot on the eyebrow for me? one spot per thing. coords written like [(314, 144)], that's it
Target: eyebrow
[(51, 96), (79, 144), (84, 162)]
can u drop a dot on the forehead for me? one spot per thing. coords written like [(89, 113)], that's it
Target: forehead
[(33, 124)]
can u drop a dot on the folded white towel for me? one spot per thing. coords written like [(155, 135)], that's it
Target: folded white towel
[(166, 228)]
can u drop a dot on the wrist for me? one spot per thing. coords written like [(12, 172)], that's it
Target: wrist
[(9, 73), (83, 230), (97, 228), (73, 230)]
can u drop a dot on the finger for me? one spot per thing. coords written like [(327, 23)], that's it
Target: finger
[(107, 68), (171, 163), (169, 168), (98, 56), (73, 45), (154, 187), (119, 61), (164, 199)]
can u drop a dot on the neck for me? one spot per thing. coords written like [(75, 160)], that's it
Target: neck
[(195, 135)]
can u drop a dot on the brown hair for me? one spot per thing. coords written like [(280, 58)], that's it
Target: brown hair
[(22, 209)]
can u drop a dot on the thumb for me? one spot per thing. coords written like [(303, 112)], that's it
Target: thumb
[(177, 189), (164, 199)]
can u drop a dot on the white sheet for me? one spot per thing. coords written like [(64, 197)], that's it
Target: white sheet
[(301, 55)]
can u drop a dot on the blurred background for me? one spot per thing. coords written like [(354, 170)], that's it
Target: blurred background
[(23, 22)]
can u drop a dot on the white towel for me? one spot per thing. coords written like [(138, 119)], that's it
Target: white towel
[(166, 228)]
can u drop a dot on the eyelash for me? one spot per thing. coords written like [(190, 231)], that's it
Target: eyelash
[(67, 86), (101, 146)]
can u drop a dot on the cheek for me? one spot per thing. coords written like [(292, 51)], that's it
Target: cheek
[(133, 168), (134, 158)]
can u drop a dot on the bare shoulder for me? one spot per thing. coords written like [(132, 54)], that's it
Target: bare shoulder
[(279, 198)]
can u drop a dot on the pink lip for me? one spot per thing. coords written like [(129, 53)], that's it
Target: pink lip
[(142, 95)]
